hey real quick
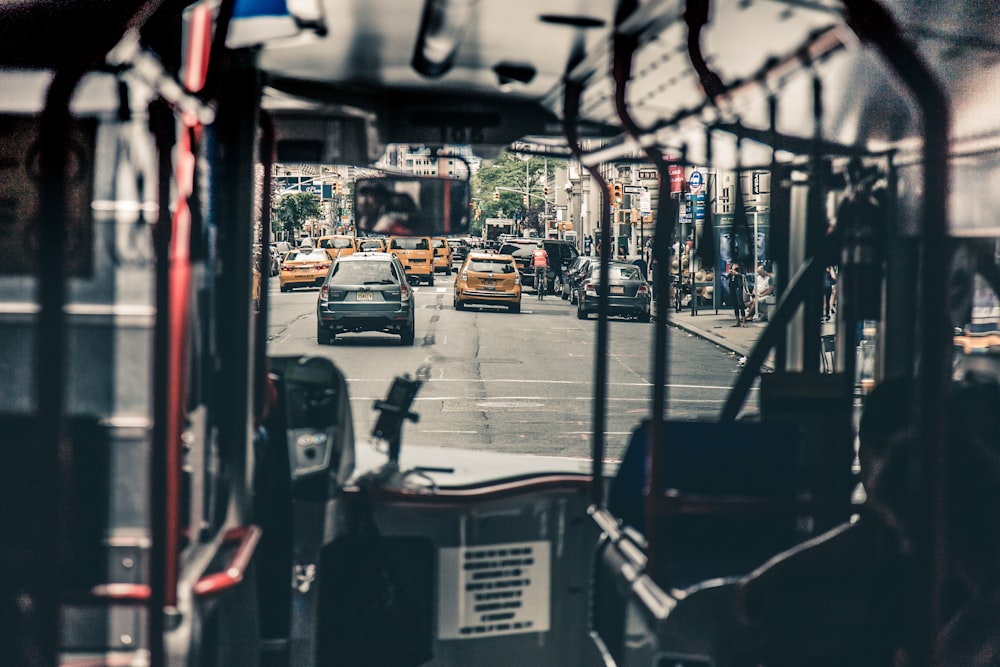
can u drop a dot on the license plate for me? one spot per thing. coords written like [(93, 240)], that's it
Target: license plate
[(366, 296), (617, 289), (489, 284)]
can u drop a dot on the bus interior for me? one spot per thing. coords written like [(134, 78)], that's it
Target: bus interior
[(175, 495)]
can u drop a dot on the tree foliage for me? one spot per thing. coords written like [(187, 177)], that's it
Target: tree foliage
[(508, 175), (293, 210)]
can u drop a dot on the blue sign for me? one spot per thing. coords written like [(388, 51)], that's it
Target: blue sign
[(696, 202), (695, 181)]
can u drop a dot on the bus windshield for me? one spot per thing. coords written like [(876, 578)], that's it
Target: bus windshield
[(704, 372)]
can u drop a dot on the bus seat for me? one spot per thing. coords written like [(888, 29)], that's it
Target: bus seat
[(625, 499), (729, 466), (24, 485), (835, 600), (376, 600), (28, 486)]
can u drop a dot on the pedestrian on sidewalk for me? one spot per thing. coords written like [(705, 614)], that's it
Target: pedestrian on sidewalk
[(829, 285), (761, 290), (738, 294)]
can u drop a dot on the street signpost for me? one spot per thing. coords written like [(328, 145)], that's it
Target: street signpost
[(696, 181)]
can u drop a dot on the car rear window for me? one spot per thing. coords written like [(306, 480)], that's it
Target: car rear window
[(517, 249), (616, 272), (491, 266), (410, 244), (362, 273), (309, 255), (336, 243)]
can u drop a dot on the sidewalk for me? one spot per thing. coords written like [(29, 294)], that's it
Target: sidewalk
[(719, 329)]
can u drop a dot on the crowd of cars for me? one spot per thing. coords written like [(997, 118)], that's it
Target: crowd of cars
[(366, 284)]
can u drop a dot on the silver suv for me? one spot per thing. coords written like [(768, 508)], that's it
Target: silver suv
[(366, 291)]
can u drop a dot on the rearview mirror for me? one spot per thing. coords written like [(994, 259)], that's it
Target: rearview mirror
[(412, 206)]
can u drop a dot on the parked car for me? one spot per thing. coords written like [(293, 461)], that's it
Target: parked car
[(303, 267), (628, 291), (561, 254), (278, 251), (416, 256), (273, 258), (442, 255), (572, 275), (365, 291), (486, 279)]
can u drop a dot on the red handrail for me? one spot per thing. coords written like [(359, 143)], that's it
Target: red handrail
[(232, 575), (119, 592)]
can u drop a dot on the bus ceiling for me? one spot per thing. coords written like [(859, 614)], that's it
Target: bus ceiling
[(373, 61)]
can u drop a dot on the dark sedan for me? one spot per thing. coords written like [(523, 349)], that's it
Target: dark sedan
[(627, 289), (366, 291)]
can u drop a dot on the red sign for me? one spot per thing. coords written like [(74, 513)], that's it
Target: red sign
[(676, 173)]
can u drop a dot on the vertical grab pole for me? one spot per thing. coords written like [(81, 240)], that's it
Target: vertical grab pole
[(161, 120), (815, 232), (264, 267), (666, 215), (50, 369), (571, 109), (873, 24)]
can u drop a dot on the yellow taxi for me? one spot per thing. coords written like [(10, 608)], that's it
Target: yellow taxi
[(339, 245), (416, 255), (303, 267), (371, 244), (442, 254), (488, 280)]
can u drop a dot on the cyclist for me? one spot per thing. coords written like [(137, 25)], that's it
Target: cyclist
[(540, 260)]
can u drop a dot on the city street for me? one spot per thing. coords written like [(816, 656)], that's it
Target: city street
[(509, 382)]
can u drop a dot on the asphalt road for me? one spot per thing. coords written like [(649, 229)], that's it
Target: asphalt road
[(509, 382)]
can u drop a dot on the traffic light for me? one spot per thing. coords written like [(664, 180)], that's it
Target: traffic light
[(526, 200), (545, 190), (617, 196), (337, 187), (496, 195)]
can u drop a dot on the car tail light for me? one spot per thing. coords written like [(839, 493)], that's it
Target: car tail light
[(590, 288), (404, 292), (465, 276), (324, 293), (517, 278), (643, 289), (323, 266)]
